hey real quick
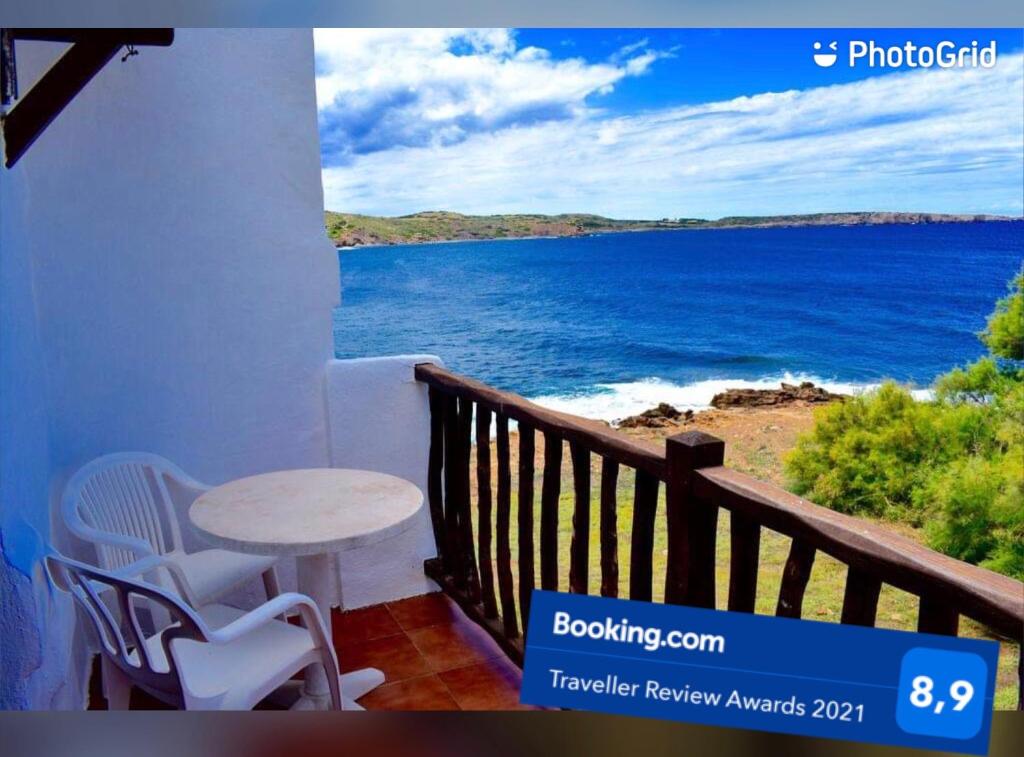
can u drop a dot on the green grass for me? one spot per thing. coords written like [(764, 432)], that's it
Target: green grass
[(823, 599)]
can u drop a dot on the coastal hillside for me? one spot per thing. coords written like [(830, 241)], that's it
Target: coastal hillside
[(352, 230)]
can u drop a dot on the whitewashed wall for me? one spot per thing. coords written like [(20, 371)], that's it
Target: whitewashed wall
[(379, 419), (167, 286)]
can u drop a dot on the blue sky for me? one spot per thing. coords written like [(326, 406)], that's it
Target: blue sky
[(662, 123)]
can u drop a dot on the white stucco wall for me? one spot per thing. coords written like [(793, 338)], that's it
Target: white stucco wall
[(379, 419), (166, 286)]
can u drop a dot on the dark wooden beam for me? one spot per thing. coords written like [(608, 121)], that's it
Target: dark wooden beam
[(91, 50), (58, 87), (140, 37)]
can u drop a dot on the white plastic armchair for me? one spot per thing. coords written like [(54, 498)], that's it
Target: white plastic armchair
[(214, 658), (121, 503)]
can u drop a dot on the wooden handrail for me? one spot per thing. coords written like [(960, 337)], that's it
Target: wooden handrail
[(991, 598), (597, 437), (697, 486)]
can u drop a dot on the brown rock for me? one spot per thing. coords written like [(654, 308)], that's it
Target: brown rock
[(806, 393), (656, 417)]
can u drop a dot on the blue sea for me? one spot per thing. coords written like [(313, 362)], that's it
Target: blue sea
[(609, 325)]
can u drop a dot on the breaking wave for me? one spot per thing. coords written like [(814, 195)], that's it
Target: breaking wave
[(612, 402)]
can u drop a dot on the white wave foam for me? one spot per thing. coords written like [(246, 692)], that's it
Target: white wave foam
[(613, 402)]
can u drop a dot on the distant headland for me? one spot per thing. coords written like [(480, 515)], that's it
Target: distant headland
[(352, 230)]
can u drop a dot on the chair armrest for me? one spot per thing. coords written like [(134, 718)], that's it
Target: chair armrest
[(191, 487), (269, 612), (151, 564)]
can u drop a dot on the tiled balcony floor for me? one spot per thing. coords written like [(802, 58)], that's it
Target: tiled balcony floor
[(433, 658)]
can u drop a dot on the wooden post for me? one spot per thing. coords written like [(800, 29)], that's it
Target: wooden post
[(483, 484), (579, 548), (527, 447), (795, 576), (609, 528), (692, 523), (469, 567), (745, 541), (550, 492), (935, 616), (502, 521), (435, 488), (860, 602), (641, 547)]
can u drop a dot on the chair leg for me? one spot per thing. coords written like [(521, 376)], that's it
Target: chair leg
[(272, 587), (117, 687), (334, 683), (270, 583)]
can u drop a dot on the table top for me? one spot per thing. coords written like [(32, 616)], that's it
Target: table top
[(306, 512)]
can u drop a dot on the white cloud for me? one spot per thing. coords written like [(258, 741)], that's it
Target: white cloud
[(381, 88), (941, 140)]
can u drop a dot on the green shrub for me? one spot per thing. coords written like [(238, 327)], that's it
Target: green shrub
[(955, 463), (867, 454), (964, 493), (1004, 335)]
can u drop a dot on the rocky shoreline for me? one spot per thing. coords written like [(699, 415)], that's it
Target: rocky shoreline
[(800, 395), (806, 392)]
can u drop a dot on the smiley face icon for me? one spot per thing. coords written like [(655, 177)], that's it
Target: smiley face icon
[(825, 59)]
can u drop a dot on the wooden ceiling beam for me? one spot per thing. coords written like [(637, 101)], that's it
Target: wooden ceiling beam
[(139, 37), (90, 51)]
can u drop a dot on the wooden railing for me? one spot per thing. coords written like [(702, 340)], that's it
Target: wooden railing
[(476, 569)]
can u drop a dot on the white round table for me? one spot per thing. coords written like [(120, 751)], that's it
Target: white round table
[(310, 515)]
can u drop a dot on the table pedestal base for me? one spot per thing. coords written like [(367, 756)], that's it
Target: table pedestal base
[(353, 685), (317, 578)]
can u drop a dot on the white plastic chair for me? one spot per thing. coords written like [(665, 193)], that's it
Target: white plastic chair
[(121, 503), (216, 658)]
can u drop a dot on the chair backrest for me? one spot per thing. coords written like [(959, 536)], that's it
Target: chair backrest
[(120, 633), (124, 493)]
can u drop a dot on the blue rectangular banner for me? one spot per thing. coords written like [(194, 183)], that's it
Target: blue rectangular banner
[(759, 672)]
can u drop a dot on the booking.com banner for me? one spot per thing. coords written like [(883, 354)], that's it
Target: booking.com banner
[(759, 672)]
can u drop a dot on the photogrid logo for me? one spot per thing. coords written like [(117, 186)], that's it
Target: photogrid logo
[(945, 54), (826, 59)]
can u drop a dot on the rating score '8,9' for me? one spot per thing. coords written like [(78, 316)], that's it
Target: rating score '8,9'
[(942, 693), (922, 694)]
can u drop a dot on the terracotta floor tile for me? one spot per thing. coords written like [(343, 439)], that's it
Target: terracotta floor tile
[(424, 610), (489, 685), (395, 655), (454, 645), (423, 693), (355, 626)]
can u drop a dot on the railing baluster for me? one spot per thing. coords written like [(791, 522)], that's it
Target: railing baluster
[(502, 525), (794, 579), (435, 489), (745, 547), (935, 616), (550, 492), (483, 498), (453, 553), (692, 521), (609, 528), (579, 550), (641, 549), (465, 505), (860, 601), (526, 567)]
